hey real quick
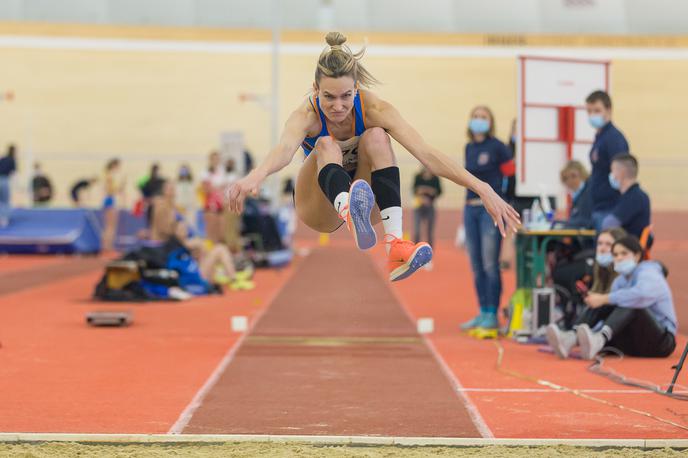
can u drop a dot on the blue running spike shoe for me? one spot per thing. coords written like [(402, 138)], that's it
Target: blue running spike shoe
[(357, 214)]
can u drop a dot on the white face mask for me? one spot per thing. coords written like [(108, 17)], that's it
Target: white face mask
[(625, 267), (604, 259)]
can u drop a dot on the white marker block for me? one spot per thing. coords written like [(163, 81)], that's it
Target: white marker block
[(425, 325), (239, 323)]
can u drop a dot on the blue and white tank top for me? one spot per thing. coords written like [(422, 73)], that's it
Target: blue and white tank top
[(349, 147)]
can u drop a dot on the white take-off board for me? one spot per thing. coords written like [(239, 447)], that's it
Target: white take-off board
[(552, 124)]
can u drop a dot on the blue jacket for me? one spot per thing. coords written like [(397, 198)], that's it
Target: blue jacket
[(7, 166), (647, 288), (486, 160), (632, 212), (609, 142), (581, 210)]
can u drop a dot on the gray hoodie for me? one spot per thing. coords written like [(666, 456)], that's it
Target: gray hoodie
[(647, 288)]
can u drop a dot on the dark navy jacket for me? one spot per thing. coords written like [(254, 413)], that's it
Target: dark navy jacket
[(7, 166), (490, 161), (632, 212), (609, 142), (581, 209)]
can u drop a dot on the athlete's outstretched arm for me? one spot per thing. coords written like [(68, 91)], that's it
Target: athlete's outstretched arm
[(384, 115), (295, 130)]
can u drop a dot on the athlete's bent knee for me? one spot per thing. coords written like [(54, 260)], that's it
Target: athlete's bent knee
[(375, 136), (376, 145), (327, 151)]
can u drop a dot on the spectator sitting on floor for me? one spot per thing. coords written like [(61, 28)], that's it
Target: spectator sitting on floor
[(632, 211), (574, 177), (595, 271), (79, 191), (637, 317), (166, 223), (41, 186)]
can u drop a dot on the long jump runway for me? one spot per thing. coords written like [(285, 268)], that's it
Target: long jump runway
[(334, 354)]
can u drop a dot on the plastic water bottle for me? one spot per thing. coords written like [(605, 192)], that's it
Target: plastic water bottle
[(527, 218), (536, 215)]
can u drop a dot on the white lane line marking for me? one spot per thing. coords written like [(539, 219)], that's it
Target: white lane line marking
[(197, 401), (340, 440), (473, 411), (547, 390)]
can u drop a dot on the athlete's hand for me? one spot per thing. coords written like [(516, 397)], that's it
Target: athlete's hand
[(238, 191), (503, 214)]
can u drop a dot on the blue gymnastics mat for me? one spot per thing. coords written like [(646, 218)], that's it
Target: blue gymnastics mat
[(51, 231)]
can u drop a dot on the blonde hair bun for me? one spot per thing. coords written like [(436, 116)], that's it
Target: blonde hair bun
[(335, 39), (338, 60)]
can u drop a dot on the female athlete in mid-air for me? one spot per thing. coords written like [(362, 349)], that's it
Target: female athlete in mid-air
[(344, 131)]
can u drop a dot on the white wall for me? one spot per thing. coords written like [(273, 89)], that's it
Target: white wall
[(467, 16)]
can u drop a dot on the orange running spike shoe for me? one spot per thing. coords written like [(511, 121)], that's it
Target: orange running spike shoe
[(406, 257)]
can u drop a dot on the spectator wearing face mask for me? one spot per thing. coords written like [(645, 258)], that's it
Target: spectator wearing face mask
[(632, 211), (599, 271), (609, 141), (574, 177), (638, 316), (490, 161)]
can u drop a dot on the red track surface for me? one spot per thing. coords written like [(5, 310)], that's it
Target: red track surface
[(334, 355), (58, 375), (513, 407)]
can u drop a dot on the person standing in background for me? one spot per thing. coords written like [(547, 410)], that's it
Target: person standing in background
[(8, 165), (426, 188), (79, 191), (212, 180), (186, 195), (231, 222), (609, 141), (113, 188), (41, 186), (509, 184), (150, 187), (490, 161)]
